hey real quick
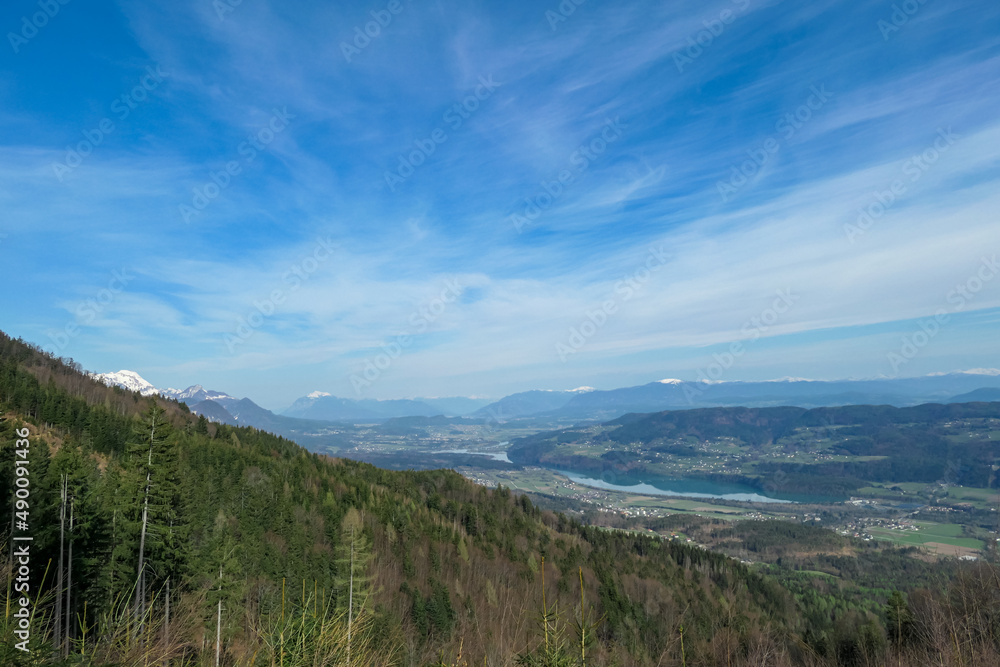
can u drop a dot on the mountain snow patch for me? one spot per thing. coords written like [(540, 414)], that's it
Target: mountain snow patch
[(128, 380)]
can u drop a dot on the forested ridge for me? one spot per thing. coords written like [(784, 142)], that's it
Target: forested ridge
[(908, 444), (161, 538)]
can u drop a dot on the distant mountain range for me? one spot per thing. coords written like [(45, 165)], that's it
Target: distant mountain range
[(220, 407), (526, 403), (673, 394), (132, 381), (680, 395), (214, 405), (305, 414), (310, 412)]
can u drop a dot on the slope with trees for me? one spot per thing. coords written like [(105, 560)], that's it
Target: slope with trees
[(191, 543)]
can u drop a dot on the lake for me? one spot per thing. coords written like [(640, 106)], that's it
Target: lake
[(496, 456), (688, 488)]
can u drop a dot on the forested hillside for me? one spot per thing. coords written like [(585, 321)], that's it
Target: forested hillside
[(832, 450), (161, 538)]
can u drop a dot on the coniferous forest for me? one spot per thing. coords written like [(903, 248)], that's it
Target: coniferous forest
[(159, 538)]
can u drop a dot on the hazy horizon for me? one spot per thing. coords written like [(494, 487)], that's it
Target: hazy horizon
[(279, 408)]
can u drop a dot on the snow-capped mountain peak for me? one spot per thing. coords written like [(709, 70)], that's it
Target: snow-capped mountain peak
[(582, 390), (193, 394), (181, 395), (128, 380), (132, 381), (671, 381), (318, 394)]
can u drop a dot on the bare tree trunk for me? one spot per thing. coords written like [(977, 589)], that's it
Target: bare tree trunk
[(350, 601), (59, 576), (114, 543), (166, 623), (69, 581), (218, 634), (140, 583), (218, 623)]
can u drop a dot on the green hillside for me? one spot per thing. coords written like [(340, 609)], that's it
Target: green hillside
[(177, 536)]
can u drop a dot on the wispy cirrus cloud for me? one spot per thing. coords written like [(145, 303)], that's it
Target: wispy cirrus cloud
[(684, 130)]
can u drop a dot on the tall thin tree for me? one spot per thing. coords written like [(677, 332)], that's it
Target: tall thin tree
[(218, 623), (166, 620), (354, 554), (58, 638), (139, 609), (350, 601), (69, 581)]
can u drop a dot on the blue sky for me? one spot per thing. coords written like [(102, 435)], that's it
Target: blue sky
[(479, 198)]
